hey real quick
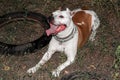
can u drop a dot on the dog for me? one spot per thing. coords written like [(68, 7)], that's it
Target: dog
[(70, 30)]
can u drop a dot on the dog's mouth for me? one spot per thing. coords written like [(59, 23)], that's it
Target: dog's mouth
[(54, 29)]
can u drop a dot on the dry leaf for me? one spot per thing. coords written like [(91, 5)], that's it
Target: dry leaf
[(6, 68)]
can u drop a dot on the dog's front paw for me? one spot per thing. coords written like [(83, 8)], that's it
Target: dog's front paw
[(55, 73), (32, 70)]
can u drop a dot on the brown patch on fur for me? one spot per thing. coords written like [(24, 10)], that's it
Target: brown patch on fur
[(83, 21)]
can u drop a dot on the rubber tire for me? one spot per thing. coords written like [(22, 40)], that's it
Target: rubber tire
[(28, 47), (78, 75)]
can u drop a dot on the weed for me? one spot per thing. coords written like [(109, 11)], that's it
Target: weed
[(1, 78), (117, 63), (81, 55), (62, 57), (117, 58)]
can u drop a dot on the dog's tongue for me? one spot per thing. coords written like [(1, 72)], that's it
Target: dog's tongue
[(55, 29)]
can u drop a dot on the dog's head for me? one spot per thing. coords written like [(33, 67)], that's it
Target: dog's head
[(61, 17), (59, 21)]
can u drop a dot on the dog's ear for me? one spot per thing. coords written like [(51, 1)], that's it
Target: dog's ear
[(67, 9)]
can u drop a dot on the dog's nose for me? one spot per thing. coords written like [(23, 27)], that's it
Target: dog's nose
[(50, 18)]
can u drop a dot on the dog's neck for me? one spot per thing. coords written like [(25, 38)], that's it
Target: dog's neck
[(67, 34)]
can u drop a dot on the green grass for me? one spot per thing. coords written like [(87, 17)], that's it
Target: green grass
[(117, 64)]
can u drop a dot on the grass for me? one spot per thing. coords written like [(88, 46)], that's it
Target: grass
[(117, 55), (106, 43), (117, 64), (14, 32)]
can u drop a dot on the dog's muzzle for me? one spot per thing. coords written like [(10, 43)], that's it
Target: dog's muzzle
[(54, 29)]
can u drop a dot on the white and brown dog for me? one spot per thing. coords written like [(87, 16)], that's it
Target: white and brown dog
[(71, 30)]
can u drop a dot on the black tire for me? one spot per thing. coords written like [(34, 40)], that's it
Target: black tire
[(85, 76), (28, 47)]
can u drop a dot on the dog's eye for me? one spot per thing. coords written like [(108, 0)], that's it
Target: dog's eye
[(61, 16)]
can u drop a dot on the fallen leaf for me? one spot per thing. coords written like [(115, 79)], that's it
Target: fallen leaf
[(66, 72), (23, 66), (92, 67), (6, 68)]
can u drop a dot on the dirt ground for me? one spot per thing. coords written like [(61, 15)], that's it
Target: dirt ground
[(97, 56)]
